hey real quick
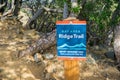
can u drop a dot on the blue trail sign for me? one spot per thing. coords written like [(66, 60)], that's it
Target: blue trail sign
[(71, 40)]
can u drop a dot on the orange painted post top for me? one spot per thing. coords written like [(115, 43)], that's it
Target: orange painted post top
[(73, 22)]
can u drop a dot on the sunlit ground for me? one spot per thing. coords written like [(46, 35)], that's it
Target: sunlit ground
[(14, 38)]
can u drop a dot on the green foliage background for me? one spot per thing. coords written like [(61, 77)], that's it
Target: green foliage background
[(97, 13)]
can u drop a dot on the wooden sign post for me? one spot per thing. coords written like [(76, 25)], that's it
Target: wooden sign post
[(72, 70), (71, 46)]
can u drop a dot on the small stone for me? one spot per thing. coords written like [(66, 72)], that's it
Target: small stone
[(96, 47), (110, 55), (48, 56), (1, 70)]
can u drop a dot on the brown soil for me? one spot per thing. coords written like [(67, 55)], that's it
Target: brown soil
[(14, 38)]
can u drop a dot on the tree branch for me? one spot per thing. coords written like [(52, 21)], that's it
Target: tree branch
[(52, 10), (11, 10), (2, 5), (39, 13), (36, 15)]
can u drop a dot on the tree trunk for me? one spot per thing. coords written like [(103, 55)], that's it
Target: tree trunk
[(18, 4), (74, 4), (81, 15), (39, 13), (117, 44), (65, 10), (13, 7), (40, 45), (11, 10), (117, 34), (36, 15), (2, 5)]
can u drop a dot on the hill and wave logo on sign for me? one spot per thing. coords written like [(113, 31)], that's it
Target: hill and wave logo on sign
[(80, 46)]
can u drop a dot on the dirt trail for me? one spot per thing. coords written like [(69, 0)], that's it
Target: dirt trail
[(14, 38)]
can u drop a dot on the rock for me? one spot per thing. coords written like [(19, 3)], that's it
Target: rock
[(1, 69), (23, 18), (49, 76), (110, 54), (48, 56), (91, 59)]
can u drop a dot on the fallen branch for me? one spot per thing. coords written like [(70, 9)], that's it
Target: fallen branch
[(40, 45)]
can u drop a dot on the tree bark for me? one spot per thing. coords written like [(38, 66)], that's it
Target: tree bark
[(117, 34), (52, 10), (36, 15), (2, 5), (74, 4), (117, 44), (39, 13), (65, 10), (12, 7), (11, 10), (81, 14), (18, 4), (40, 45)]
